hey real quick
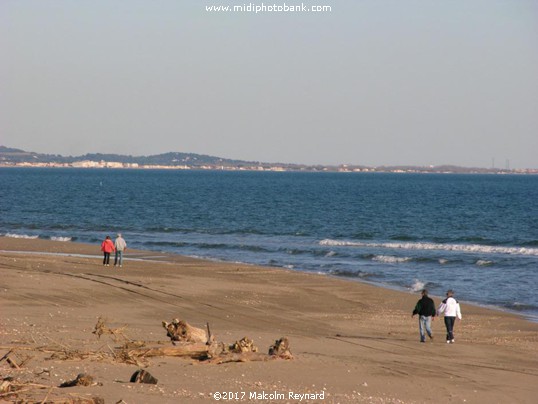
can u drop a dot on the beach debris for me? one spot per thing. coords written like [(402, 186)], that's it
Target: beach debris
[(281, 349), (6, 385), (243, 345), (179, 330), (28, 392), (14, 360), (212, 351), (101, 328), (82, 379), (73, 354), (143, 376), (12, 390), (194, 350)]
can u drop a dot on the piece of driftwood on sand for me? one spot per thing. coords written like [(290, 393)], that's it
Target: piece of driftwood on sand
[(194, 350), (196, 343), (181, 331)]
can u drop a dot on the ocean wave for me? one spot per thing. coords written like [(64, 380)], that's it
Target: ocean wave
[(347, 273), (470, 248), (26, 236), (516, 306), (55, 238), (390, 259), (417, 285), (484, 263)]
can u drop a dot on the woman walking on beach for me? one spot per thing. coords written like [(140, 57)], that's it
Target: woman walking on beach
[(107, 246), (451, 308)]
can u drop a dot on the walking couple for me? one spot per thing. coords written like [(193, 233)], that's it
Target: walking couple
[(118, 246), (425, 308)]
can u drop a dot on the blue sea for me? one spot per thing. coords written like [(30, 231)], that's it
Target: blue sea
[(476, 234)]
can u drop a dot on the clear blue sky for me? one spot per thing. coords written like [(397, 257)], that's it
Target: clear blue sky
[(372, 82)]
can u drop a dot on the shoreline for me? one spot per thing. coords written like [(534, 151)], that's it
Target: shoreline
[(288, 168), (353, 341), (533, 318)]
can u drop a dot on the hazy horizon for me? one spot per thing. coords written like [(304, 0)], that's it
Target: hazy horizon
[(367, 83)]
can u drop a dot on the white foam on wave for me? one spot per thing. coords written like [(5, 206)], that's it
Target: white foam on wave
[(13, 235), (390, 259), (471, 248), (54, 238), (483, 263), (330, 254), (417, 285)]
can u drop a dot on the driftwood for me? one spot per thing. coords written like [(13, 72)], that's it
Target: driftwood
[(243, 345), (6, 386), (14, 361), (16, 392), (196, 351), (281, 349), (11, 362), (241, 357), (101, 328), (179, 330), (82, 379)]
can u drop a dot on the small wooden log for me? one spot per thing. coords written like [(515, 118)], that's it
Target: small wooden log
[(191, 350), (179, 330)]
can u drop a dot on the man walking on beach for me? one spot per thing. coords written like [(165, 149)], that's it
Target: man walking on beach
[(120, 245), (425, 308), (451, 308)]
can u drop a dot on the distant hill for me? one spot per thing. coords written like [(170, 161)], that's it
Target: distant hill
[(10, 155), (16, 157)]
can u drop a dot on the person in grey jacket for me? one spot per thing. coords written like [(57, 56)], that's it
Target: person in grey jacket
[(120, 246), (451, 308)]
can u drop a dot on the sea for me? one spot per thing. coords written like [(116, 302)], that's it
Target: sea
[(476, 234)]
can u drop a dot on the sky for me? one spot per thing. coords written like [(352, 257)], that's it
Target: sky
[(368, 82)]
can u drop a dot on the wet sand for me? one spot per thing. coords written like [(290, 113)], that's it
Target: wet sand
[(352, 342)]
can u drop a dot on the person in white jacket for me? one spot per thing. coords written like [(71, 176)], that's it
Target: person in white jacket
[(120, 246), (451, 309)]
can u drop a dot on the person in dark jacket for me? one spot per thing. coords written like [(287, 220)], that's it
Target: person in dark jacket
[(425, 308)]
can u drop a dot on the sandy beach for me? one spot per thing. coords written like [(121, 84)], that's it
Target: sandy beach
[(352, 342)]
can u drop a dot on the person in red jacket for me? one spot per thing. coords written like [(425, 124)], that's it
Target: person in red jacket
[(107, 246)]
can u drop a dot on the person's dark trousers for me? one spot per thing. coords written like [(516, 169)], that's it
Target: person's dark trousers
[(449, 323), (106, 259)]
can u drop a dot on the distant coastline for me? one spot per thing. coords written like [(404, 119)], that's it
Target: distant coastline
[(10, 157)]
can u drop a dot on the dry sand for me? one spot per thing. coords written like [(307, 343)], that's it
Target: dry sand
[(352, 342)]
